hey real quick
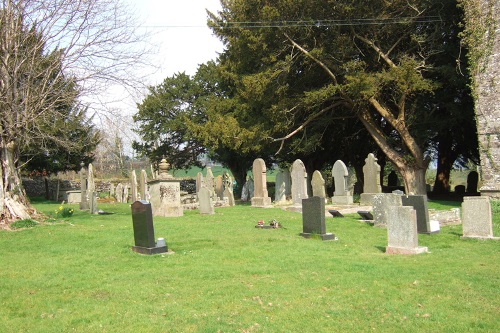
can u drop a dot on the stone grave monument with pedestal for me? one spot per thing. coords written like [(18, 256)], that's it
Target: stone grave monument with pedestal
[(165, 193)]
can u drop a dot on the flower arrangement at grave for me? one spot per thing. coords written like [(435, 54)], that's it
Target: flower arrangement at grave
[(64, 211)]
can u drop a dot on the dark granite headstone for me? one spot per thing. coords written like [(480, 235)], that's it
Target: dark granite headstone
[(144, 235), (335, 213), (472, 180), (313, 218), (419, 203), (392, 179)]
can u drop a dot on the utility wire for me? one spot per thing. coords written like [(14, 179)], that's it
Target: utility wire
[(312, 23)]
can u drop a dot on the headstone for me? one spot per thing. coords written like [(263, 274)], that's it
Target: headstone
[(210, 182), (119, 193), (205, 201), (260, 196), (84, 201), (381, 205), (299, 182), (392, 179), (477, 218), (125, 193), (91, 191), (419, 203), (219, 187), (472, 181), (144, 235), (133, 186), (165, 193), (143, 185), (341, 195), (111, 190), (279, 189), (200, 181), (313, 218), (228, 193), (318, 185), (460, 189), (402, 233), (371, 176)]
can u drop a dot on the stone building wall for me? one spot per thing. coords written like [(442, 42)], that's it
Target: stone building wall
[(488, 109)]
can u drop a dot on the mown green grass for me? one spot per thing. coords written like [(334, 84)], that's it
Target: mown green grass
[(79, 274)]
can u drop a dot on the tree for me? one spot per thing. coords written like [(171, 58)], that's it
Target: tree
[(52, 53), (161, 122), (302, 63)]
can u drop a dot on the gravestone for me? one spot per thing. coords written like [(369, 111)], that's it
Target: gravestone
[(260, 196), (119, 193), (299, 182), (219, 187), (381, 205), (144, 235), (371, 183), (313, 218), (472, 181), (392, 179), (84, 201), (125, 193), (318, 185), (165, 193), (91, 191), (247, 190), (460, 189), (200, 181), (419, 203), (477, 218), (133, 186), (206, 204), (341, 195), (402, 236), (227, 185), (143, 185), (283, 190), (111, 190), (210, 182)]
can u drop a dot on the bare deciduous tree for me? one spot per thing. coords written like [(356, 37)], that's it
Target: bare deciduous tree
[(55, 54)]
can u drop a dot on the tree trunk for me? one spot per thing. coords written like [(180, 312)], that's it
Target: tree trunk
[(15, 204), (414, 179)]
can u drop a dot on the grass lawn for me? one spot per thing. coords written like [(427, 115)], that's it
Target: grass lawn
[(79, 274)]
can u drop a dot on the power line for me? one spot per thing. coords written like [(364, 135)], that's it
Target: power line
[(312, 23)]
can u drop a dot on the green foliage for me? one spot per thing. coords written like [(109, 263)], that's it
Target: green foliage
[(22, 224), (64, 212)]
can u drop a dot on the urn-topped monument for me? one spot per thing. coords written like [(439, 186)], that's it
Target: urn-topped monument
[(165, 193)]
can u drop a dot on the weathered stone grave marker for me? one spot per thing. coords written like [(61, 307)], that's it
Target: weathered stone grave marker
[(476, 218), (419, 203), (313, 218), (165, 193), (206, 204), (341, 195), (299, 182), (371, 176), (283, 186), (402, 235), (260, 197), (144, 235), (318, 185)]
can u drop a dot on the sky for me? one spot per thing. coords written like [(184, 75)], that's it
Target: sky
[(180, 32), (183, 41)]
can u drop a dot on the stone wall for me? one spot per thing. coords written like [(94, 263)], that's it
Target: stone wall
[(487, 106)]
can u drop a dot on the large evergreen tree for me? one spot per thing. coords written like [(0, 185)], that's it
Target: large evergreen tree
[(300, 65)]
